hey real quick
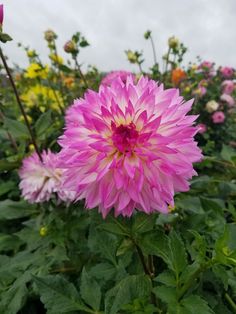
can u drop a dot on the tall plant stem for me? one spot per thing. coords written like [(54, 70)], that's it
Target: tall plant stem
[(153, 50), (59, 72), (140, 68), (80, 72), (231, 302), (146, 270), (20, 104), (167, 59)]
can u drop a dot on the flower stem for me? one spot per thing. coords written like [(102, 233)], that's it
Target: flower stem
[(80, 72), (167, 59), (231, 302), (142, 259), (19, 103), (153, 50)]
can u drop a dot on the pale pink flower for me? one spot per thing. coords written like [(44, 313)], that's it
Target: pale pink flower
[(110, 77), (212, 106), (228, 99), (227, 72), (129, 146), (228, 87), (206, 65), (202, 128), (218, 117), (200, 91), (40, 179), (1, 14)]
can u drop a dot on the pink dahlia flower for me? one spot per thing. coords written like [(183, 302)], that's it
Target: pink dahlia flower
[(110, 77), (218, 117), (129, 146), (228, 99), (40, 179), (228, 87), (227, 72), (202, 128)]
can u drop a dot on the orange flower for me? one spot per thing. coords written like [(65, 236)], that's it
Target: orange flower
[(177, 76), (69, 81)]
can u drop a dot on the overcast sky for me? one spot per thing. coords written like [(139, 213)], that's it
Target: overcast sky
[(206, 27)]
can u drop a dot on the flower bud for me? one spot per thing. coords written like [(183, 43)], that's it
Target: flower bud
[(1, 14), (43, 231), (49, 35), (132, 57), (31, 53), (70, 47), (147, 34), (173, 42)]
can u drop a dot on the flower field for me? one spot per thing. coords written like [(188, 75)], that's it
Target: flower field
[(117, 190)]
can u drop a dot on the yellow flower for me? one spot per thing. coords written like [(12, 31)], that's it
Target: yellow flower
[(43, 231), (43, 98), (55, 58), (36, 70)]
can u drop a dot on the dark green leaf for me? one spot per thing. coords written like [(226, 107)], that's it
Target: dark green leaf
[(128, 289), (90, 290), (58, 295), (16, 128)]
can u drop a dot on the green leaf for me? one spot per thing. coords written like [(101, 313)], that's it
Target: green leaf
[(14, 298), (143, 223), (170, 249), (113, 228), (43, 123), (6, 187), (228, 153), (6, 165), (9, 242), (225, 246), (192, 204), (177, 254), (16, 128), (155, 243), (5, 37), (90, 291), (209, 204), (128, 289), (105, 271), (167, 278), (58, 295), (195, 302), (166, 294), (13, 210)]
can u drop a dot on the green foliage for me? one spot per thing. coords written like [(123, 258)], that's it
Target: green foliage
[(59, 258)]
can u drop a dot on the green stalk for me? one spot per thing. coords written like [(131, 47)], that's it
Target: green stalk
[(153, 50), (20, 104)]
